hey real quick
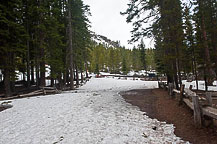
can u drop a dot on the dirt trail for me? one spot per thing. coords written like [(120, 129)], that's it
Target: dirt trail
[(157, 104)]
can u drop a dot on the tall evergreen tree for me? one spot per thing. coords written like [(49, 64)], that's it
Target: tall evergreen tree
[(167, 16), (142, 55), (12, 33)]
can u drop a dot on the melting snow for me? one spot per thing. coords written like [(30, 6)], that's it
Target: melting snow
[(95, 113), (201, 85)]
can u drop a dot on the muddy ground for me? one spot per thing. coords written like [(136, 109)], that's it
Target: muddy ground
[(157, 104)]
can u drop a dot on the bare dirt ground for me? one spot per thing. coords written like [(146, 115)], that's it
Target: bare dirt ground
[(157, 104)]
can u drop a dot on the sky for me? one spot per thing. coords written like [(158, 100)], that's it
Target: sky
[(106, 20)]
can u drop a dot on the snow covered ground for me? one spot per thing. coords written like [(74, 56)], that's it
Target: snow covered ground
[(94, 114), (201, 85), (132, 73)]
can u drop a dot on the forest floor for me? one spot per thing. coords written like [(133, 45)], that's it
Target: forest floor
[(95, 113), (157, 104)]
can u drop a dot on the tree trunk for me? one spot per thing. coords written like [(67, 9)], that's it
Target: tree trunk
[(64, 79), (82, 77), (51, 78), (179, 74), (67, 77), (24, 77), (71, 69), (194, 64), (12, 71), (175, 75), (32, 73), (178, 66), (86, 70), (41, 37), (37, 72), (169, 78), (28, 48), (208, 65), (195, 71), (213, 31), (28, 65), (205, 79), (7, 82), (60, 82), (52, 82), (42, 74), (42, 62), (77, 77)]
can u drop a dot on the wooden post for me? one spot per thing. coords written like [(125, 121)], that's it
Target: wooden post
[(197, 111), (164, 86), (44, 91), (181, 94), (207, 120), (170, 89), (160, 84), (209, 98), (190, 87)]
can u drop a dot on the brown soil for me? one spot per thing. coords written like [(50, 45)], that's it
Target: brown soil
[(157, 104)]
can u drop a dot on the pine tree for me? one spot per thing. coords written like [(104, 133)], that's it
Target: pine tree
[(167, 17), (190, 52), (11, 32), (202, 21), (142, 55)]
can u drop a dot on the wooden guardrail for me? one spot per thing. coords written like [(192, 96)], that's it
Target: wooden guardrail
[(193, 101), (41, 91)]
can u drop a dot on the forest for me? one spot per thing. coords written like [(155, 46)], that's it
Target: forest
[(53, 35), (185, 34), (70, 74), (119, 60)]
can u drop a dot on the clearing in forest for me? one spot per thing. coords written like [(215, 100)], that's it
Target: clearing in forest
[(95, 113)]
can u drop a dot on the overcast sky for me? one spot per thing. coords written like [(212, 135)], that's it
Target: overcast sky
[(106, 20)]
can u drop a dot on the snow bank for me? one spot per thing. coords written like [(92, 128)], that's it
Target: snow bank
[(95, 113)]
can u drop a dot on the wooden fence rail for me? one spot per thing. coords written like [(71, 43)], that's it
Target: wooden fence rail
[(41, 91), (193, 101)]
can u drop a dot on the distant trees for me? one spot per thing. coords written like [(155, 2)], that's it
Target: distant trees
[(184, 33), (36, 35), (119, 59)]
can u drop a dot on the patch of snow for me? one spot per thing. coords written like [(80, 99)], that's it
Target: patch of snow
[(95, 113), (201, 85), (142, 72)]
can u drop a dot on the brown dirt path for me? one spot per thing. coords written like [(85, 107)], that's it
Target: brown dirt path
[(157, 104)]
